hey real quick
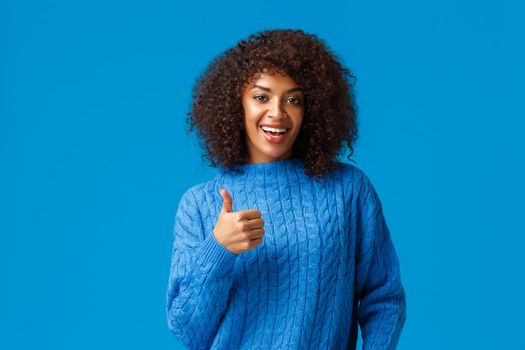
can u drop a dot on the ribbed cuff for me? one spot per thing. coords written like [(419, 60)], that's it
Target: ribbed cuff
[(212, 257)]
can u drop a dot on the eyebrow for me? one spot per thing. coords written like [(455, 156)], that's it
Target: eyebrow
[(269, 90)]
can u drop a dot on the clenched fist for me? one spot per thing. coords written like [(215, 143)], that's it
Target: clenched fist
[(238, 231)]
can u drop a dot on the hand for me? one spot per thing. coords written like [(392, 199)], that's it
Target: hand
[(238, 231)]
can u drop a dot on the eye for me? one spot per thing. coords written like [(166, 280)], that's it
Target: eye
[(260, 98), (294, 101)]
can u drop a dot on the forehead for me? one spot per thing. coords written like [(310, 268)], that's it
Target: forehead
[(273, 80)]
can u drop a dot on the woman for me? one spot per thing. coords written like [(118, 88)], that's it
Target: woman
[(286, 247)]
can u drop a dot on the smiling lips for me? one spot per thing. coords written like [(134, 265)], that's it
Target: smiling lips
[(275, 137)]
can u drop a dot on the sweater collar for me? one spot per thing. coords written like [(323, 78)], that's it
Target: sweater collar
[(261, 173)]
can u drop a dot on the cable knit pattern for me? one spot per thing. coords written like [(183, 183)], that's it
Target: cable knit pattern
[(326, 264)]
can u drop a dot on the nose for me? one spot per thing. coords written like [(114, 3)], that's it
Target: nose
[(276, 109)]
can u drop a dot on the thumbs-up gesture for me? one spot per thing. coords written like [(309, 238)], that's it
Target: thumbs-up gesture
[(238, 231)]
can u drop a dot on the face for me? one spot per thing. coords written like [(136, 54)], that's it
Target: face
[(273, 113)]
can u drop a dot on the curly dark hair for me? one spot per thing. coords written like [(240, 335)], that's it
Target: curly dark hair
[(330, 111)]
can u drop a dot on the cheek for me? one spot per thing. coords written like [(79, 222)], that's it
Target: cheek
[(298, 121), (250, 121), (251, 111), (252, 115)]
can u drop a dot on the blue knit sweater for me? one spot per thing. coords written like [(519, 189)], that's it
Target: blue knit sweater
[(326, 264)]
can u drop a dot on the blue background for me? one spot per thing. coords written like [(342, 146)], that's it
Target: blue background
[(94, 158)]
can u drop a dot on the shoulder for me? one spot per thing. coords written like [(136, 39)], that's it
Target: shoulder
[(352, 175), (351, 171), (198, 195), (358, 183), (194, 194), (189, 207)]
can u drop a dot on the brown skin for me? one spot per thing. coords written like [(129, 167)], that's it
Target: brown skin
[(238, 231), (271, 99)]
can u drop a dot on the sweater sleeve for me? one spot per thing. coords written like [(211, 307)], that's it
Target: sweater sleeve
[(200, 278), (382, 300)]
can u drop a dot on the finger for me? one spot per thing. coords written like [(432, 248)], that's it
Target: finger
[(249, 214), (257, 234), (252, 224), (255, 243), (227, 202)]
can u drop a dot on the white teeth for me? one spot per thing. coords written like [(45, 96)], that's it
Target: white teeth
[(267, 128)]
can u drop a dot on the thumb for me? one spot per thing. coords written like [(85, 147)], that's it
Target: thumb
[(226, 201)]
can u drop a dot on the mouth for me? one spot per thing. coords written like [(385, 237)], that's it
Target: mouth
[(275, 137)]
